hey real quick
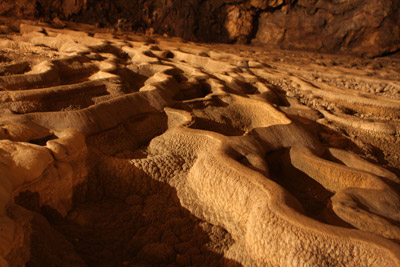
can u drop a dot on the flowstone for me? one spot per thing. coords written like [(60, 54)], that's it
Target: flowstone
[(123, 149)]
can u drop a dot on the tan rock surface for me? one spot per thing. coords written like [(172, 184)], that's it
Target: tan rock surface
[(118, 149)]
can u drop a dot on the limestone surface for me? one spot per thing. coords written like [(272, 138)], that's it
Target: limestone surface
[(119, 149)]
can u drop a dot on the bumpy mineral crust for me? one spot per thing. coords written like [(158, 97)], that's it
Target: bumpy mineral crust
[(123, 149)]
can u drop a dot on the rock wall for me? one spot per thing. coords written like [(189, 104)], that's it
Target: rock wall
[(357, 26), (363, 27)]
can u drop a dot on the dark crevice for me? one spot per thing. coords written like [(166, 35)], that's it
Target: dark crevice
[(199, 90), (43, 141), (314, 198), (214, 126), (387, 54), (254, 30)]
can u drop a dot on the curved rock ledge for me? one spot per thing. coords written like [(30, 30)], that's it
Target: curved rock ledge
[(163, 152)]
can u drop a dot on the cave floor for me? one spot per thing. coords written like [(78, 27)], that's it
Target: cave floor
[(163, 152)]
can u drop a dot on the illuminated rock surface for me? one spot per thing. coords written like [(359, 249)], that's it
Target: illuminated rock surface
[(122, 149)]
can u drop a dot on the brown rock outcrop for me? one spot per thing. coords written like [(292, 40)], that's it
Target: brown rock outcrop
[(362, 27), (18, 9)]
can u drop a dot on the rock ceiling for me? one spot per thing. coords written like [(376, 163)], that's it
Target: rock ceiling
[(122, 149)]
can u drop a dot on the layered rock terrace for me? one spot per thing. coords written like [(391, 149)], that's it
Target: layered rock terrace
[(124, 149)]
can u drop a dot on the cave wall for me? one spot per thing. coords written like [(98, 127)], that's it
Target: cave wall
[(359, 26)]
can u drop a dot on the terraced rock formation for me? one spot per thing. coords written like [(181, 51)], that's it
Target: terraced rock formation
[(122, 149)]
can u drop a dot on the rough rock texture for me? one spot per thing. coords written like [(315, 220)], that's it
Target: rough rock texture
[(357, 26), (19, 9), (363, 27), (123, 149)]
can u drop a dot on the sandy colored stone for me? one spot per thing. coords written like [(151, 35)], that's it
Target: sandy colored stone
[(116, 151)]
